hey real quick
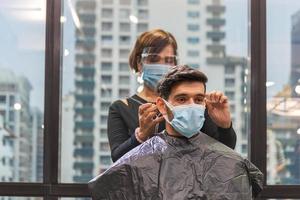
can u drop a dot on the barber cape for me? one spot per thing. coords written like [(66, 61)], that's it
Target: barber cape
[(170, 168)]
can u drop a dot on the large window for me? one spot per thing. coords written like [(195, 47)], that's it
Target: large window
[(283, 92), (22, 54), (89, 88), (64, 62)]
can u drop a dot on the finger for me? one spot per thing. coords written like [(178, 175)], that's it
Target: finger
[(224, 99), (149, 118), (209, 100), (158, 119), (143, 107), (149, 110), (143, 112), (152, 108), (209, 96), (215, 97), (218, 96), (208, 105)]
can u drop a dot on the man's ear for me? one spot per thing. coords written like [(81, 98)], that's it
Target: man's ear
[(161, 106)]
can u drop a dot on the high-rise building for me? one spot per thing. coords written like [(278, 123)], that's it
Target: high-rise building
[(199, 28), (14, 107), (67, 139), (236, 87), (37, 128), (7, 140), (25, 124), (295, 52), (104, 39), (103, 44)]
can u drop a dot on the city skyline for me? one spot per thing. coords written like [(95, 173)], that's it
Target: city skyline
[(34, 33), (235, 44), (25, 124), (101, 74)]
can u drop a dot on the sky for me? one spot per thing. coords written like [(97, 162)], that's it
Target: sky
[(22, 37), (278, 42)]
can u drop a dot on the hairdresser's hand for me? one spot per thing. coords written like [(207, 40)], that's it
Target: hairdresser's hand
[(147, 120), (218, 109)]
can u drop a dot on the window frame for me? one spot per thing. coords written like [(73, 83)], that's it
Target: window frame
[(258, 119), (50, 188)]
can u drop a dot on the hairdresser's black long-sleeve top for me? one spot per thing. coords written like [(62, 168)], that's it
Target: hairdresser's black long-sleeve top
[(123, 120)]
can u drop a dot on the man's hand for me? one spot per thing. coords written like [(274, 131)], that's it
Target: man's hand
[(218, 109)]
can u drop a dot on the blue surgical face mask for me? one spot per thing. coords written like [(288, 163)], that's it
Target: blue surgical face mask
[(188, 119), (152, 73)]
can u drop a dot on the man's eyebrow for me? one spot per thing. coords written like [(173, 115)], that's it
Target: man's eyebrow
[(185, 94), (180, 94), (200, 94)]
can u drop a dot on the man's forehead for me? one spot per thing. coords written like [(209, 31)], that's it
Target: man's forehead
[(188, 88)]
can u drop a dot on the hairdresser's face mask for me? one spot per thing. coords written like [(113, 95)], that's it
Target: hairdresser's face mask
[(156, 65), (188, 119), (152, 73)]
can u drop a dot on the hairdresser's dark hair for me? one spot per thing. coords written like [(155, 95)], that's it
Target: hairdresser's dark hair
[(157, 38)]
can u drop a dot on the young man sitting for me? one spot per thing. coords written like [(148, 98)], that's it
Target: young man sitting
[(181, 162)]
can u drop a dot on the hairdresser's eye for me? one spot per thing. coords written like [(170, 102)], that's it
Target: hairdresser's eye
[(170, 60), (153, 58)]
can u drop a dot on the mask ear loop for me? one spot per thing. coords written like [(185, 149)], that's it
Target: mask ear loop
[(141, 72), (169, 106)]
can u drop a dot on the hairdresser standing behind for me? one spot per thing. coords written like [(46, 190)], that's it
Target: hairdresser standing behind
[(133, 120)]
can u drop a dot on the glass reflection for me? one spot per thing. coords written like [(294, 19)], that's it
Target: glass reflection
[(283, 96)]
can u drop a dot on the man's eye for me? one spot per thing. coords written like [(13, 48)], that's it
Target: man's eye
[(181, 100), (199, 100)]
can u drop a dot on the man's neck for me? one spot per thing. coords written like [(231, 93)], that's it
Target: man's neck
[(170, 131)]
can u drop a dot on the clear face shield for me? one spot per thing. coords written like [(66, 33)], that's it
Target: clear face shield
[(155, 65), (150, 56)]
